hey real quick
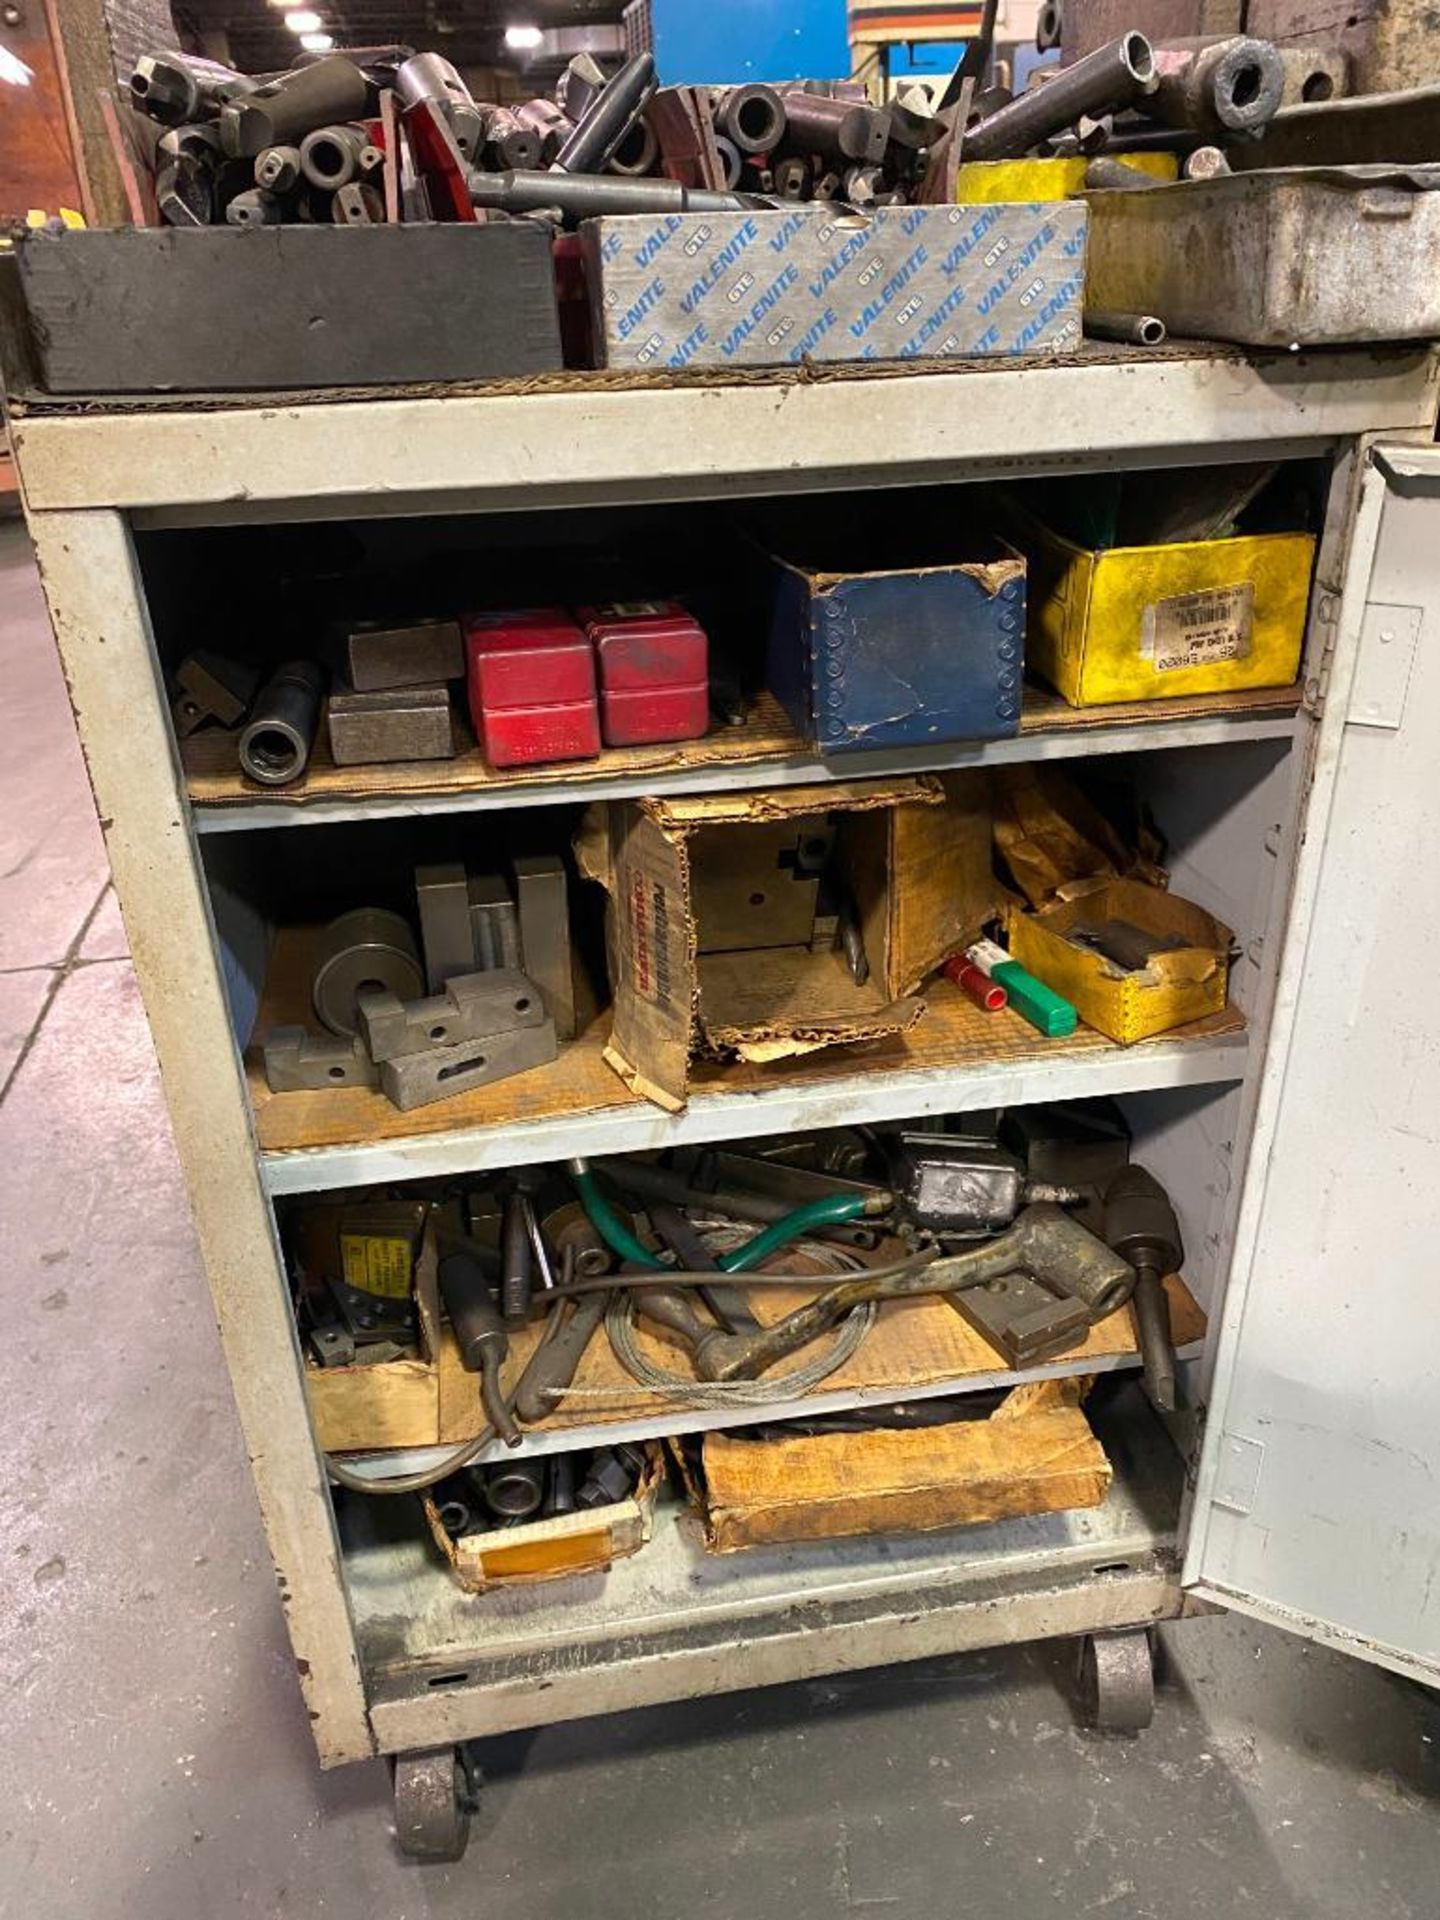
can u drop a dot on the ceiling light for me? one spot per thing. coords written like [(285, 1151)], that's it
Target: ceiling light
[(317, 42), (521, 37), (303, 21)]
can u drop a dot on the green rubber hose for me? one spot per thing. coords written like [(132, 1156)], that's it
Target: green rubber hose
[(832, 1209)]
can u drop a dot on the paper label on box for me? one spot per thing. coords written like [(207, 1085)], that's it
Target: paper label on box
[(375, 1265), (1198, 629), (652, 919)]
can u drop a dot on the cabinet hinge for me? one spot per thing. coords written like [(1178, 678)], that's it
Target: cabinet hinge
[(1327, 620)]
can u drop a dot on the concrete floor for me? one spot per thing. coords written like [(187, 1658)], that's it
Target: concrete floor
[(154, 1757)]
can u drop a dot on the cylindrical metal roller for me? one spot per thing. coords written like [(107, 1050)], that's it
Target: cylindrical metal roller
[(515, 1488), (255, 208), (283, 111), (546, 119), (752, 118), (840, 130), (277, 169), (368, 950), (275, 746), (508, 143), (1220, 87), (583, 195), (430, 76), (1135, 329), (1205, 163), (1114, 75), (331, 157), (638, 151), (613, 111)]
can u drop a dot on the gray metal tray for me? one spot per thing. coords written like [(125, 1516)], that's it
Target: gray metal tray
[(1289, 256)]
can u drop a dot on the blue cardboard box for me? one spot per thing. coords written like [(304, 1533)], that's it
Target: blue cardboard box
[(904, 654), (822, 282)]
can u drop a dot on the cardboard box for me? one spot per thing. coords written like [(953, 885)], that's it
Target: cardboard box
[(1183, 984), (1034, 1454), (916, 853), (766, 289), (216, 308), (905, 653), (554, 1549), (1149, 623)]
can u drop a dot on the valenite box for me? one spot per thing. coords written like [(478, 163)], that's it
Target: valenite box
[(767, 289)]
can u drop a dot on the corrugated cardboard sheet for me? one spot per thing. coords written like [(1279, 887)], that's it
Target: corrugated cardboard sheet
[(818, 283)]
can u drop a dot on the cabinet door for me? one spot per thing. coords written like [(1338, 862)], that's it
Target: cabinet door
[(1318, 1500)]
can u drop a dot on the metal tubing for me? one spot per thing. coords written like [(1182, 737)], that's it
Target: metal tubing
[(1113, 76), (611, 114), (1135, 329), (584, 195), (275, 747), (752, 118), (515, 1489)]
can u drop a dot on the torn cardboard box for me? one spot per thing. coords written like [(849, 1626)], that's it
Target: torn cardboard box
[(1034, 1454), (700, 885)]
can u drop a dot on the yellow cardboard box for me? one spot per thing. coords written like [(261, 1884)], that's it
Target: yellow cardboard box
[(1151, 623)]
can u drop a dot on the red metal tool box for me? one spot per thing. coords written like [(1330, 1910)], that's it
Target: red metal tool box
[(653, 661), (531, 681)]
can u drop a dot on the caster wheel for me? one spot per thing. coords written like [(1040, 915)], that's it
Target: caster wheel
[(1117, 1681), (435, 1795)]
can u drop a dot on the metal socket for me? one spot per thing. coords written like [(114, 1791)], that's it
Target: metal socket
[(275, 746)]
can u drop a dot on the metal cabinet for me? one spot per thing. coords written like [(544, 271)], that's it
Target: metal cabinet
[(1302, 1142)]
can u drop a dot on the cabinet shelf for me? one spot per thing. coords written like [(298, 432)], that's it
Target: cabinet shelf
[(765, 749), (957, 1058), (917, 1350)]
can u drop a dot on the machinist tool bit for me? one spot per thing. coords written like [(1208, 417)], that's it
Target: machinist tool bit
[(420, 1078), (282, 111), (480, 1333), (177, 88), (278, 169), (254, 208), (1140, 1225), (331, 157), (430, 76), (837, 130), (583, 196), (297, 1061), (471, 1006)]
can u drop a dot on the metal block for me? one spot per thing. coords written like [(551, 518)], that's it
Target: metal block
[(208, 686), (472, 1006), (301, 1062), (401, 724), (543, 901), (422, 653), (444, 923), (418, 1079), (494, 923)]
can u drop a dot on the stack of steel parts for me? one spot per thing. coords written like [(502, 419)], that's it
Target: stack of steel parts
[(491, 997)]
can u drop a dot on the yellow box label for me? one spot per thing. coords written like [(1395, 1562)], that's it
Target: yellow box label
[(376, 1265), (1197, 629)]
